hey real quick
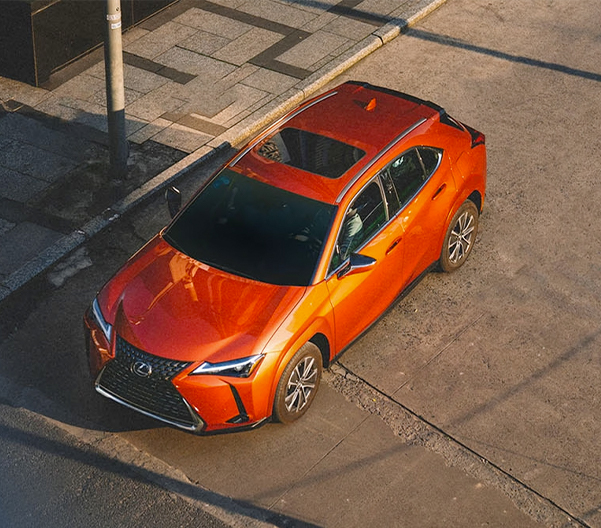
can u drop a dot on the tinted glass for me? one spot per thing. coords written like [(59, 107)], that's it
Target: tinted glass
[(430, 157), (363, 219), (311, 152), (254, 230), (407, 175)]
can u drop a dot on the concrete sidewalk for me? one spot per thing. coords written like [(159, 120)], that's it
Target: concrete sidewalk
[(200, 76)]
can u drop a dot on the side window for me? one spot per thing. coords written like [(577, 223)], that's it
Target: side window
[(430, 158), (407, 174), (363, 219), (392, 200)]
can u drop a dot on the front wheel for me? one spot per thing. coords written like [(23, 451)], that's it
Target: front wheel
[(298, 385), (460, 237)]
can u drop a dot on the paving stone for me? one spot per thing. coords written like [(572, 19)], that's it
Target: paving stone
[(219, 106), (319, 22), (312, 49), (248, 46), (243, 97), (99, 97), (29, 95), (81, 105), (258, 104), (349, 28), (213, 23), (33, 132), (270, 81), (182, 138), (88, 113), (190, 62), (132, 125), (160, 40), (141, 80), (332, 56), (237, 119), (154, 104), (35, 162), (238, 75), (377, 7), (98, 70), (278, 12), (204, 43), (233, 4), (100, 122), (19, 187), (213, 103), (80, 87), (97, 121), (312, 5), (54, 106), (212, 91), (149, 130), (132, 35), (272, 109)]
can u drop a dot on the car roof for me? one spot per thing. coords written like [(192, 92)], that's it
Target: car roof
[(361, 115)]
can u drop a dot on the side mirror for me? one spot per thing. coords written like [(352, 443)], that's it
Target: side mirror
[(356, 264), (174, 200)]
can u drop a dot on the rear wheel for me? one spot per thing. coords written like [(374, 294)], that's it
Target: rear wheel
[(298, 385), (460, 237)]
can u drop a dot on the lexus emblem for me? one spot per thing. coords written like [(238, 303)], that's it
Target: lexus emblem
[(141, 369)]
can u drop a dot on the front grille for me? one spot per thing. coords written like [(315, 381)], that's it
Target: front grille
[(154, 394)]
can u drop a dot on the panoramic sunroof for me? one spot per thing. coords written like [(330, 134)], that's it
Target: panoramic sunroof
[(311, 152)]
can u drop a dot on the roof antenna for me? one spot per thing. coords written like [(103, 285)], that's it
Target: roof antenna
[(371, 105)]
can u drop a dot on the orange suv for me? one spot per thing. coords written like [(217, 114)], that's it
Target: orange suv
[(226, 318)]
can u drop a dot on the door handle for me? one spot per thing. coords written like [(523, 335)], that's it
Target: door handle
[(440, 189), (393, 245)]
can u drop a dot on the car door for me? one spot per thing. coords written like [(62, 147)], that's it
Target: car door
[(360, 296), (426, 190)]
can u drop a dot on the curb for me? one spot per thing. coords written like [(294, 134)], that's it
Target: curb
[(236, 135)]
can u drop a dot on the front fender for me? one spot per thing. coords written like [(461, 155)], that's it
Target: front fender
[(313, 315)]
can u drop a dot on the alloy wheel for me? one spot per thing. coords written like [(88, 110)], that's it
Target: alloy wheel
[(460, 240), (301, 384)]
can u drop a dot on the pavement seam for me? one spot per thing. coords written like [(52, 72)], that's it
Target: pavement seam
[(331, 450), (414, 429), (439, 353)]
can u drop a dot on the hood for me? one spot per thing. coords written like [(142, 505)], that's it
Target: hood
[(176, 307)]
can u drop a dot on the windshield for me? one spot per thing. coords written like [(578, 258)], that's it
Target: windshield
[(254, 230)]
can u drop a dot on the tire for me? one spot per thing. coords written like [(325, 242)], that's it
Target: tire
[(460, 237), (298, 385)]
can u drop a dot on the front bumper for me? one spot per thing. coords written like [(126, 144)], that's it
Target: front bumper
[(163, 389)]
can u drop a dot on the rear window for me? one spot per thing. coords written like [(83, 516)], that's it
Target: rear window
[(311, 152)]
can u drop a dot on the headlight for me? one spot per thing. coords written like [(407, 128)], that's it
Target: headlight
[(106, 328), (239, 368)]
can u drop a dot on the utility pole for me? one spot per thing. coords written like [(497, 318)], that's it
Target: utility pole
[(115, 93)]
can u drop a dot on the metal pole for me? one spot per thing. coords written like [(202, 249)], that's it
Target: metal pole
[(115, 93)]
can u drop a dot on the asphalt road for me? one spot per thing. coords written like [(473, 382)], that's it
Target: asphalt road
[(49, 479), (499, 359), (504, 355)]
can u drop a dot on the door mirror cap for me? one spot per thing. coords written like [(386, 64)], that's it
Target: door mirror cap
[(174, 200), (356, 263)]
